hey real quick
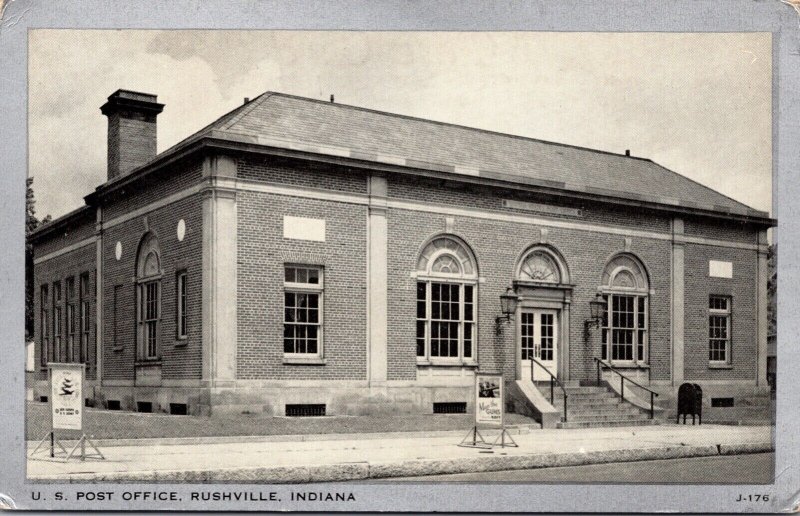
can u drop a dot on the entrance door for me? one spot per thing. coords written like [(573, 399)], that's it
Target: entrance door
[(538, 338)]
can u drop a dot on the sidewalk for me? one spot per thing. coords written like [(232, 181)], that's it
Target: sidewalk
[(288, 459)]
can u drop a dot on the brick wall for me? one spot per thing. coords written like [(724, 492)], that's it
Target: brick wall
[(301, 173), (68, 265), (179, 358), (720, 230), (742, 290), (465, 195), (262, 252), (498, 246), (154, 188), (81, 228)]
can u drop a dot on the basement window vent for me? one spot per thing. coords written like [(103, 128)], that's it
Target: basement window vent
[(721, 402), (43, 399), (144, 406), (178, 409), (305, 410), (113, 405), (450, 407)]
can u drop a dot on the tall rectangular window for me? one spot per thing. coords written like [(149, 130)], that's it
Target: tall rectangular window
[(150, 316), (719, 329), (624, 322), (117, 314), (56, 352), (85, 299), (180, 323), (445, 320), (70, 349), (44, 324), (302, 311)]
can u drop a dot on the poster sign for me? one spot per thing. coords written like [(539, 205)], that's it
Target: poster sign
[(66, 396), (489, 399)]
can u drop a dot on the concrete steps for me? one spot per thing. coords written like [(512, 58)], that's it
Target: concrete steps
[(595, 406)]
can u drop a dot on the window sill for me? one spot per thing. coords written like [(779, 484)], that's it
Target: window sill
[(181, 342), (720, 366), (146, 363), (446, 363), (304, 361), (629, 366), (118, 349)]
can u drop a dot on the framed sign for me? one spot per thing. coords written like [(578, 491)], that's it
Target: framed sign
[(489, 399), (66, 396)]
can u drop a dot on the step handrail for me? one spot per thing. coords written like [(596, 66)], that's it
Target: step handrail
[(553, 380), (653, 393)]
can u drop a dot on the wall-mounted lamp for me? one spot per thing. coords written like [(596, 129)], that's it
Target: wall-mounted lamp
[(508, 306), (596, 308)]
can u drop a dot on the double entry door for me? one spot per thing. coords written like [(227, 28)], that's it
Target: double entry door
[(538, 338)]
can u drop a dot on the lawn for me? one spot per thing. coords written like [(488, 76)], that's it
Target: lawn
[(105, 424)]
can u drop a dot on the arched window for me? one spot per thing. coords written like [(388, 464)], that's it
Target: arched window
[(625, 290), (446, 301), (148, 306)]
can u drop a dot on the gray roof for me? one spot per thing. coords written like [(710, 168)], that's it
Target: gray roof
[(297, 123)]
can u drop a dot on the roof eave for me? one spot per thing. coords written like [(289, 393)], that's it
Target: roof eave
[(246, 143)]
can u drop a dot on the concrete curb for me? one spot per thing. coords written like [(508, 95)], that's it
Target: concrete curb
[(407, 468)]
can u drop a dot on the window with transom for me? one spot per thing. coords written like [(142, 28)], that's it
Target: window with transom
[(302, 319), (625, 322), (446, 302), (148, 313), (719, 330)]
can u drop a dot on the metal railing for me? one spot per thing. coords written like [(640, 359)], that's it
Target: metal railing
[(553, 381), (623, 378)]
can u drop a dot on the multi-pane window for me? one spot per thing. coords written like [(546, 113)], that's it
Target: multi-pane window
[(181, 302), (85, 318), (56, 352), (44, 302), (719, 329), (446, 301), (626, 292), (148, 302), (117, 314), (150, 310), (302, 311), (71, 326), (624, 328), (445, 320)]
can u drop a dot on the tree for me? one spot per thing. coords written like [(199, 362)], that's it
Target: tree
[(772, 289), (31, 223)]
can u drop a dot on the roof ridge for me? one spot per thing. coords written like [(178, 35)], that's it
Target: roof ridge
[(450, 124), (247, 108)]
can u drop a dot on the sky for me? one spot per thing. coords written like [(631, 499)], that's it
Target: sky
[(698, 104)]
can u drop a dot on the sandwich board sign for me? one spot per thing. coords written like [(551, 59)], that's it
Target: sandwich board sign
[(489, 411), (66, 409), (66, 396)]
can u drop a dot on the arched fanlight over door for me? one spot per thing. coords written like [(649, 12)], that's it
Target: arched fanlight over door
[(539, 266)]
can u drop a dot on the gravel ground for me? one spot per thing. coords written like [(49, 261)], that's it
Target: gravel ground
[(105, 424)]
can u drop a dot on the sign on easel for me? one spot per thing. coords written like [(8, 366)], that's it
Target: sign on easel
[(489, 411), (66, 409), (66, 396)]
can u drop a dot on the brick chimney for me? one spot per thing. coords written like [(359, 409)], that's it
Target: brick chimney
[(131, 130)]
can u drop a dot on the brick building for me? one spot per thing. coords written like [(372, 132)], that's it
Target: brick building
[(296, 254)]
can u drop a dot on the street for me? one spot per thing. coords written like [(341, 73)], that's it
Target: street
[(733, 469)]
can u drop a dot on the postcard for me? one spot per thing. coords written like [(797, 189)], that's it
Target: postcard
[(457, 257)]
